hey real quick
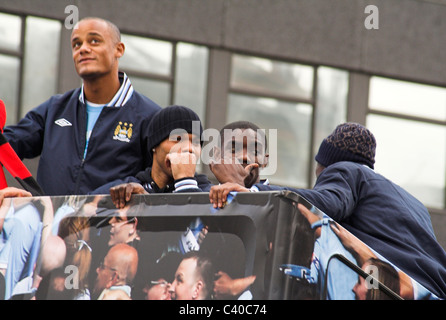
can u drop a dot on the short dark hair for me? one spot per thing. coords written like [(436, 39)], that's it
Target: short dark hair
[(114, 29), (242, 125), (206, 270)]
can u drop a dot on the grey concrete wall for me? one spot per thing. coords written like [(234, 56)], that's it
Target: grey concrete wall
[(408, 44)]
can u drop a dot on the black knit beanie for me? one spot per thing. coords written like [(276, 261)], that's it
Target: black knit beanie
[(348, 142), (169, 119)]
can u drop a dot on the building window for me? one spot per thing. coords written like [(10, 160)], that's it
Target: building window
[(303, 103), (166, 72), (9, 86), (148, 63), (191, 75), (10, 63), (31, 65), (409, 122), (41, 62)]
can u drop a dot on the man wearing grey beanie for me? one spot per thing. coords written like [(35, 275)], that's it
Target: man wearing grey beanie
[(374, 209)]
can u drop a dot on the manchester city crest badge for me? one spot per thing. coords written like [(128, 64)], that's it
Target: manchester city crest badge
[(123, 131)]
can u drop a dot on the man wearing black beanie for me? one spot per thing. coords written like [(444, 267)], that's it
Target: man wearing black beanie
[(174, 142), (377, 211)]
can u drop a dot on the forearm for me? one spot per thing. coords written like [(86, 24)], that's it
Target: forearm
[(241, 284)]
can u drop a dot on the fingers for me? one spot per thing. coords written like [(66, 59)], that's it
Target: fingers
[(342, 233), (121, 194), (184, 158), (211, 165), (182, 164), (252, 171), (116, 196), (251, 166), (218, 274), (11, 192), (304, 211), (202, 235), (334, 226), (217, 153), (218, 195)]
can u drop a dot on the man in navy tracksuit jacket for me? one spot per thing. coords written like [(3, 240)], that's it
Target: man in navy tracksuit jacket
[(77, 155), (378, 212)]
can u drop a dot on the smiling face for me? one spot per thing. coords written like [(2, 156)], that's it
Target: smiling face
[(96, 48)]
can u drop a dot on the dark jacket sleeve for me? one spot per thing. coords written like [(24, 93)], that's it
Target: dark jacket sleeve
[(26, 137), (334, 192), (203, 182), (105, 189)]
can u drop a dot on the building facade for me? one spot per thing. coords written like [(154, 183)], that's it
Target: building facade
[(295, 67)]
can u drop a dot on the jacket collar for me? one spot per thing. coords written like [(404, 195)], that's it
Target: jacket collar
[(150, 185), (121, 97)]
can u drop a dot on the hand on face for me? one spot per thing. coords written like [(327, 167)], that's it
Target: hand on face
[(182, 164), (182, 155), (227, 171)]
